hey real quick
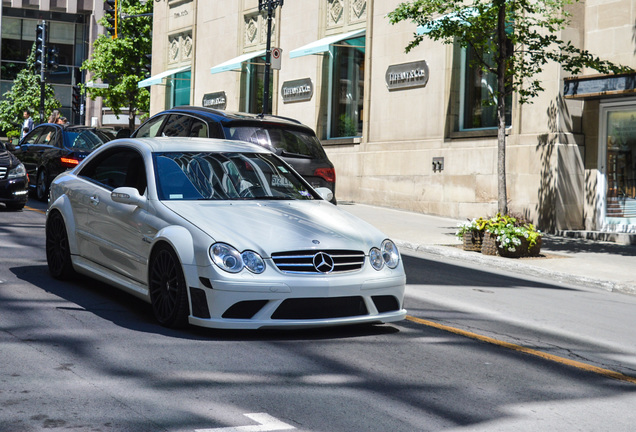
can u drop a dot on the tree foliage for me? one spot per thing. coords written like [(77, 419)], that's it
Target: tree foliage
[(121, 62), (25, 95), (512, 39)]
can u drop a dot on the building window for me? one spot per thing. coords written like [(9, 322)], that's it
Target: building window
[(180, 89), (478, 104), (347, 88), (253, 82)]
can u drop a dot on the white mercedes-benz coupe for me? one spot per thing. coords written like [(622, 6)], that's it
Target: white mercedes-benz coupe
[(219, 234)]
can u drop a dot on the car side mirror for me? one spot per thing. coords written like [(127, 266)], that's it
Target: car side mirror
[(325, 193), (128, 195)]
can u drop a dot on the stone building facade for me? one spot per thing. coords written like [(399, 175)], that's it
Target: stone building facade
[(412, 131)]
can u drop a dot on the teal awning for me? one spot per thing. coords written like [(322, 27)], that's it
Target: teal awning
[(322, 45), (156, 79), (236, 62)]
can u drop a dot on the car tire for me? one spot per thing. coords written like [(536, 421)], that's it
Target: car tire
[(41, 188), (167, 287), (58, 252)]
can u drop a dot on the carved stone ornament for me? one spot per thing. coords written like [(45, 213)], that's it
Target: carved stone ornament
[(359, 8), (187, 46), (173, 50), (251, 29), (336, 9)]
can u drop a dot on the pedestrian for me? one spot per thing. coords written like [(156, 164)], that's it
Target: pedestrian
[(27, 125), (55, 114), (62, 121)]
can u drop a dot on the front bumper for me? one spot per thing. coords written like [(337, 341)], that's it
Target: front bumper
[(14, 191), (279, 300)]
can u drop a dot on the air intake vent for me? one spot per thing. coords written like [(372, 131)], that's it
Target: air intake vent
[(313, 261)]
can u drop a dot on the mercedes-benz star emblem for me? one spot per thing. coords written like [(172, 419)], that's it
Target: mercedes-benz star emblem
[(323, 262)]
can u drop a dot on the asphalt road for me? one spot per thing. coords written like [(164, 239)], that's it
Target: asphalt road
[(83, 357)]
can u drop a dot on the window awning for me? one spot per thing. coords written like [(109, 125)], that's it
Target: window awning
[(156, 79), (322, 45), (453, 16), (236, 62)]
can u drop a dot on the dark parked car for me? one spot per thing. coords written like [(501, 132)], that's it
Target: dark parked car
[(50, 149), (294, 142), (13, 180)]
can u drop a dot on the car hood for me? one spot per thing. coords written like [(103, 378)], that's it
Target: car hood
[(275, 226), (7, 159)]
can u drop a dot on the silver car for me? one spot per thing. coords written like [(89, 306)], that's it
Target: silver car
[(219, 234)]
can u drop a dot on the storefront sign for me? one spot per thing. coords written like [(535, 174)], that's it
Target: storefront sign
[(407, 75), (216, 100), (596, 86), (297, 90)]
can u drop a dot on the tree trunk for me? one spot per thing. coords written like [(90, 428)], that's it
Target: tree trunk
[(131, 118), (502, 194)]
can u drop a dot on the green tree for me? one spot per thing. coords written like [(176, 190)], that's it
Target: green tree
[(520, 36), (121, 61), (25, 94)]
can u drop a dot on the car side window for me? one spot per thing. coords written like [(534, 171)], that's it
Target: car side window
[(118, 167), (47, 136), (150, 128), (198, 128), (177, 126), (33, 136)]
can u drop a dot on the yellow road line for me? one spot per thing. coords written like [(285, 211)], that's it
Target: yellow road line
[(34, 209), (579, 365)]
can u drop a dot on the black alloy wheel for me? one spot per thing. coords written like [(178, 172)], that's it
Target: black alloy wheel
[(41, 188), (58, 252), (167, 287)]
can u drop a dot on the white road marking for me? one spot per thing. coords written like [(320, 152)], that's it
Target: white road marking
[(267, 423)]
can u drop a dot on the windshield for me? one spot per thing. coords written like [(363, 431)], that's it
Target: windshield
[(226, 176), (85, 140), (283, 142)]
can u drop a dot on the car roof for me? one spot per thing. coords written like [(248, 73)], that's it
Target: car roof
[(228, 117), (183, 144)]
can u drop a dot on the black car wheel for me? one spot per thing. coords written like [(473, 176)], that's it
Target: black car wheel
[(168, 288), (58, 252), (41, 188)]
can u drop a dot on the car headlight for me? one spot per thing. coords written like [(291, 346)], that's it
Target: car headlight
[(231, 260), (390, 254), (18, 171), (375, 257), (253, 262)]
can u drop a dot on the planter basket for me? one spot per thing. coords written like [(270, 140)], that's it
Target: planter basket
[(489, 244), (472, 241), (522, 250)]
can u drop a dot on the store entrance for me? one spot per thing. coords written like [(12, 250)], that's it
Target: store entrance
[(620, 206)]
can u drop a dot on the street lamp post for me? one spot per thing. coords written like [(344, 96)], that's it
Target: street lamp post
[(270, 5)]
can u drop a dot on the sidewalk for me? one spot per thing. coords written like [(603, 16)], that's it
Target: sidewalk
[(593, 263)]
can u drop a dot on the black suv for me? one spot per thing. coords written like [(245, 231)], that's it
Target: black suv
[(294, 142)]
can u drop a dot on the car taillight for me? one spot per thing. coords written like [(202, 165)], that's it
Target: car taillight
[(69, 162), (329, 174)]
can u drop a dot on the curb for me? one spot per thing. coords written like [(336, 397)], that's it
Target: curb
[(519, 267)]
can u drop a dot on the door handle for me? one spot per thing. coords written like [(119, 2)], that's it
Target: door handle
[(94, 200)]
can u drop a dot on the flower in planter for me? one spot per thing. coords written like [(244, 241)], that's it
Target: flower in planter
[(475, 226), (512, 233)]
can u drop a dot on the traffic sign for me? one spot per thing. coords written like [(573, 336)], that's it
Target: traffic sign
[(277, 53)]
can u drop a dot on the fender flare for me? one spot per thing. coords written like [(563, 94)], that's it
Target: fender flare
[(180, 239)]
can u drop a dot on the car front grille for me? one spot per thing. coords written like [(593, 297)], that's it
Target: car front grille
[(319, 261), (3, 172)]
